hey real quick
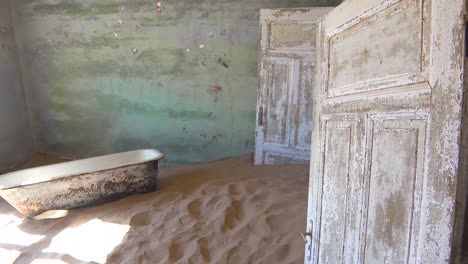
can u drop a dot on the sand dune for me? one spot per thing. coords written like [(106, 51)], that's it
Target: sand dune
[(223, 212)]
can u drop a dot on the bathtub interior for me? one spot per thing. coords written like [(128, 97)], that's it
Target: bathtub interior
[(77, 167)]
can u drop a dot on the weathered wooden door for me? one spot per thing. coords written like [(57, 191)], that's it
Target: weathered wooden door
[(387, 121), (286, 71)]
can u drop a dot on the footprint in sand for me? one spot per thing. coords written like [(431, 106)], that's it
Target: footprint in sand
[(232, 255), (233, 189), (140, 219), (194, 209), (175, 252), (232, 215), (202, 254), (204, 251)]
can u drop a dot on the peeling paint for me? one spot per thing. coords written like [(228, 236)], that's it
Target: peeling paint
[(406, 124), (91, 95), (81, 190)]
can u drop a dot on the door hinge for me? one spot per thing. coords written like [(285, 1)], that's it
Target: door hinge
[(260, 116)]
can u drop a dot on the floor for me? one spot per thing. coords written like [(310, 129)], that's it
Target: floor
[(222, 212)]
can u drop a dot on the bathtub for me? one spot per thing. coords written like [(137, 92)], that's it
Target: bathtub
[(81, 183)]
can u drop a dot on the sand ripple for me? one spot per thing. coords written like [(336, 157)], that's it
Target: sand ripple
[(221, 212)]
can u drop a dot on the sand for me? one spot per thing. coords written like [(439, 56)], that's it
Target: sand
[(222, 212)]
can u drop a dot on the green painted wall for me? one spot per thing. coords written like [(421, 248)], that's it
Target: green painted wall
[(189, 90), (16, 143)]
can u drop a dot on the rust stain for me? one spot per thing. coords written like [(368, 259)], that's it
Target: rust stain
[(214, 91), (217, 88), (85, 189)]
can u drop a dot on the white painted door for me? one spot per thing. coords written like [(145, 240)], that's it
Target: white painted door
[(286, 71), (387, 121)]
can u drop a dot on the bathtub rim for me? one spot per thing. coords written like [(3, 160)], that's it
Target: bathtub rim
[(11, 179)]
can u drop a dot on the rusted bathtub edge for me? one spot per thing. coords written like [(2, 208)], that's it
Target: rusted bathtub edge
[(33, 207), (83, 190), (82, 174), (74, 175)]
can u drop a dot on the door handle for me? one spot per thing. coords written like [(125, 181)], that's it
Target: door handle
[(304, 235), (309, 246)]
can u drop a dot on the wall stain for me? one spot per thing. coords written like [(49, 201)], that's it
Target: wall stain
[(215, 137), (100, 98), (224, 62), (78, 9), (204, 61), (214, 91)]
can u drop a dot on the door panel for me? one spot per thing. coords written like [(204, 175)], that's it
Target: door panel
[(396, 67), (339, 187), (339, 137), (280, 81), (286, 70), (396, 168), (292, 36), (303, 137), (391, 36)]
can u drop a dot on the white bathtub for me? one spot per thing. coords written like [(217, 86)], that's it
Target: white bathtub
[(81, 183)]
